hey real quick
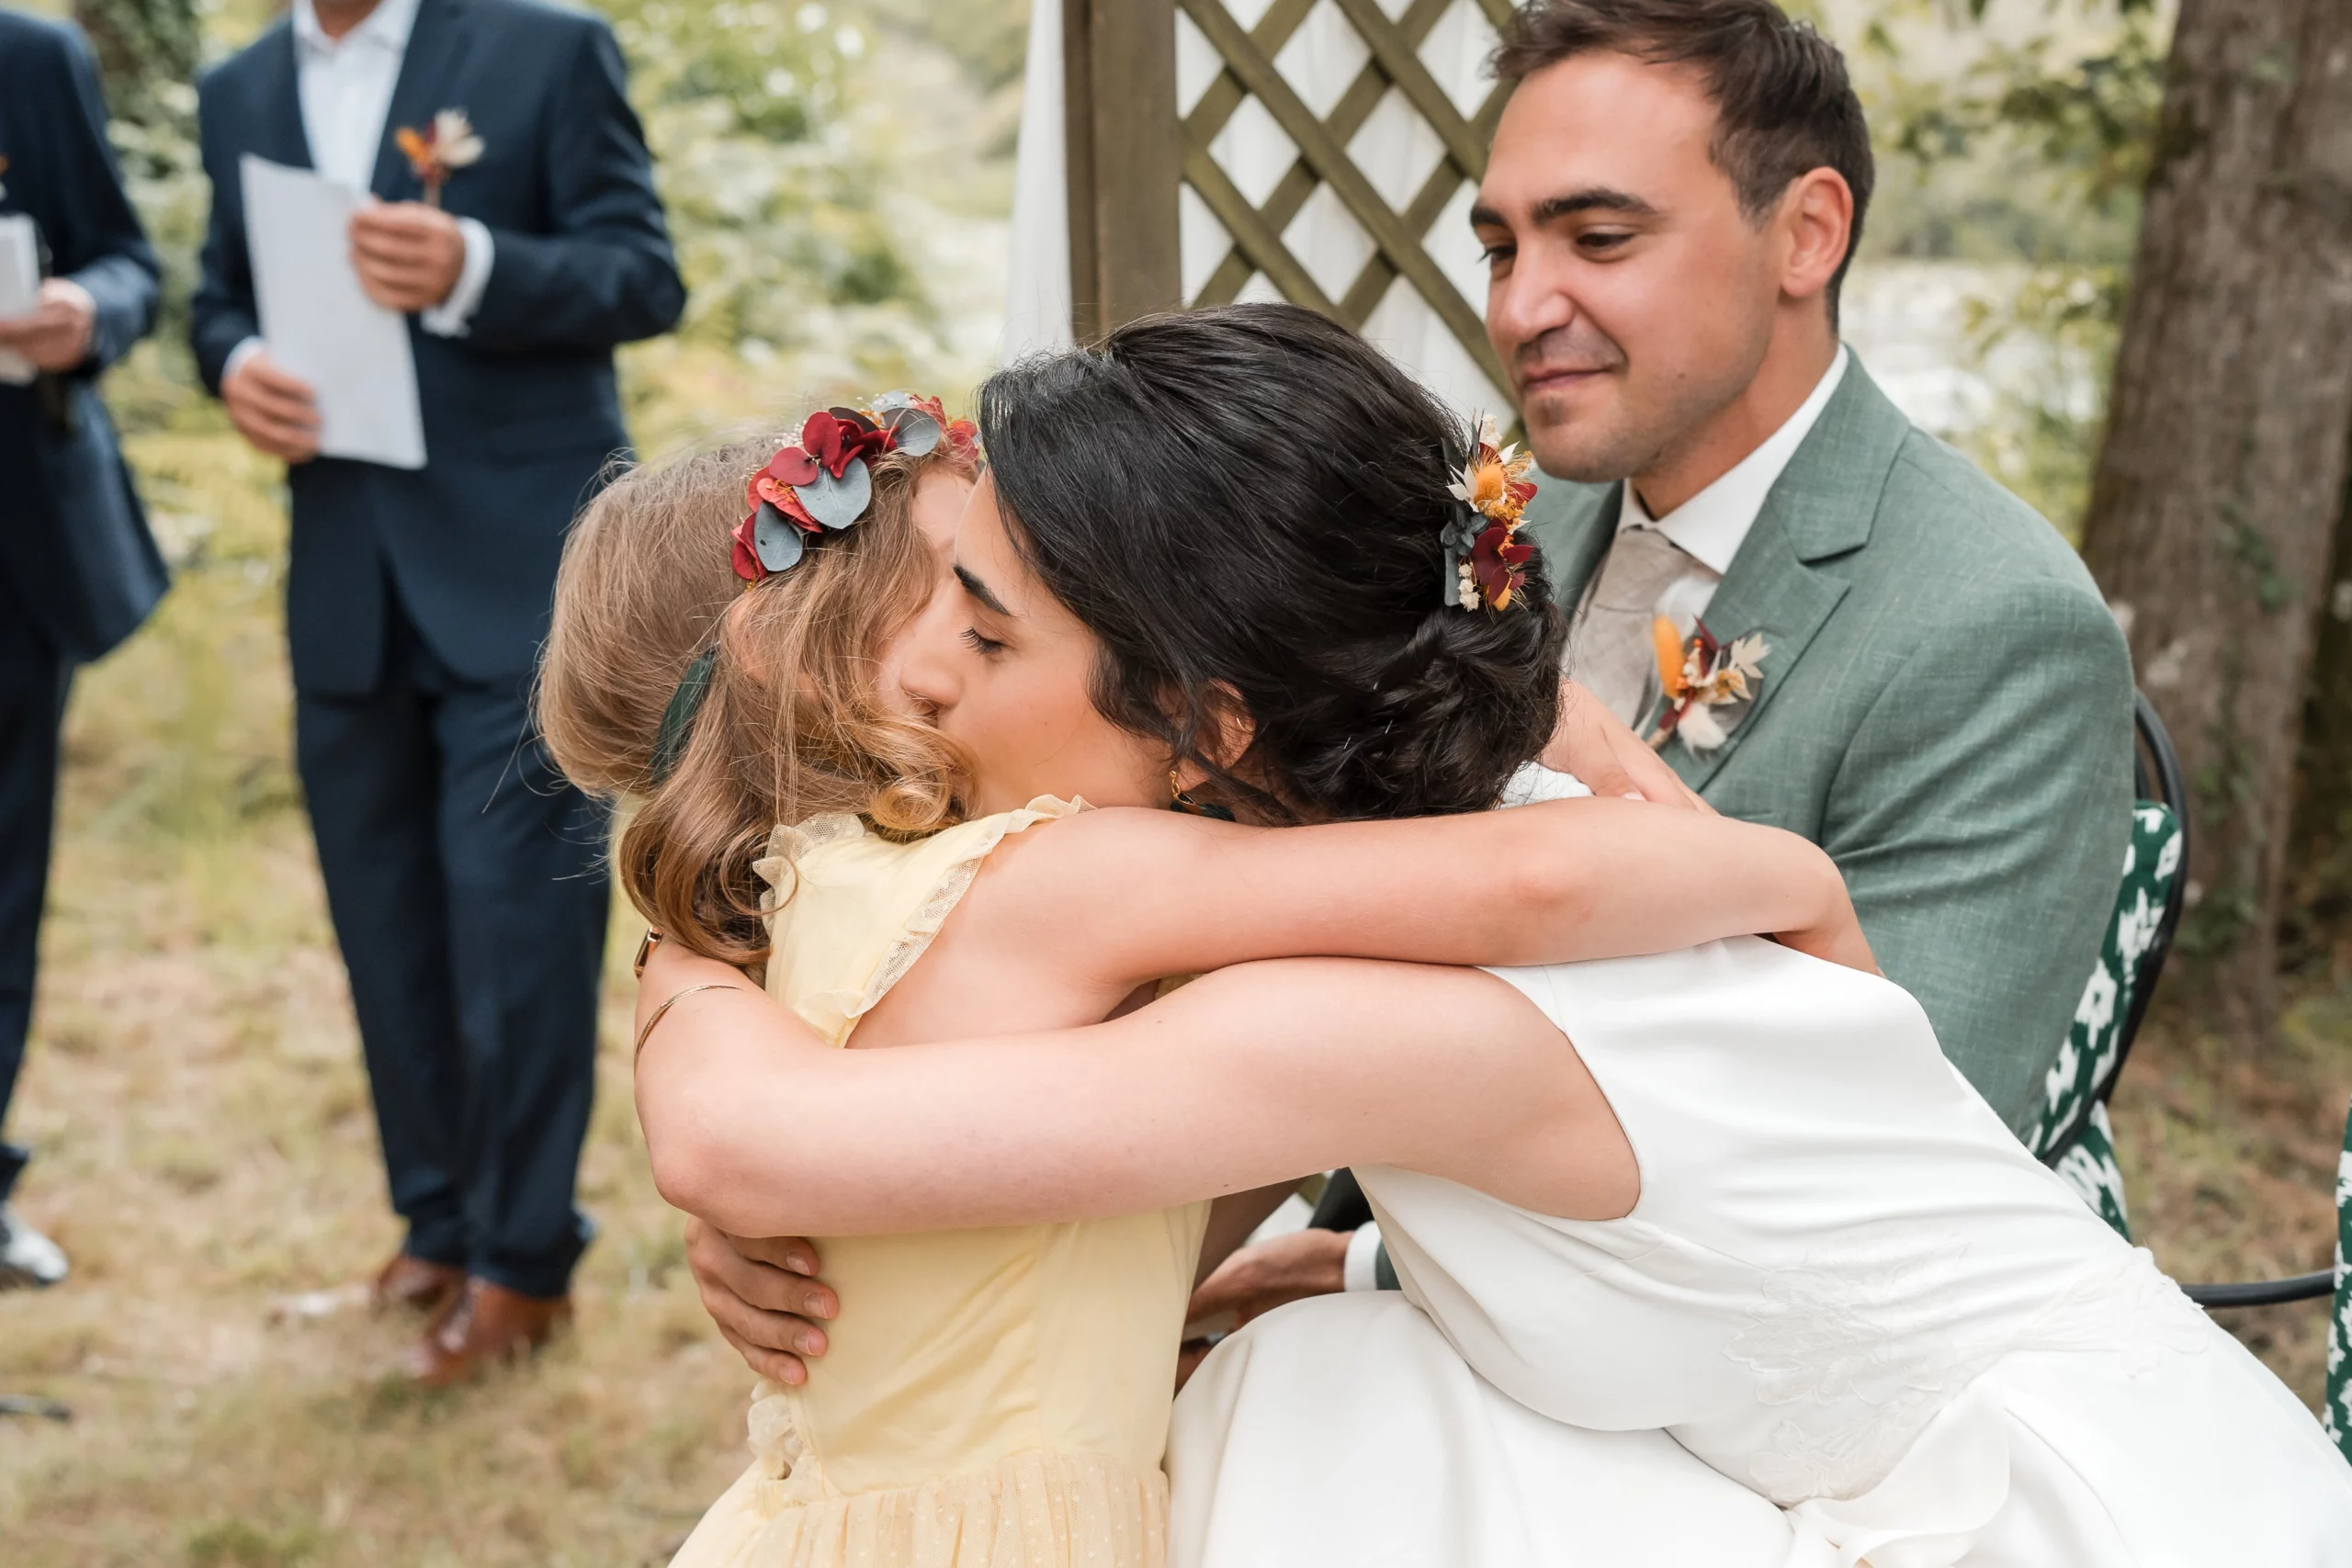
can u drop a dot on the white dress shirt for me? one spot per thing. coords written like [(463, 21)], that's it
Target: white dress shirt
[(345, 87), (1712, 526)]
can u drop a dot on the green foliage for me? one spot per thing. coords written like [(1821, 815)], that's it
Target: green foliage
[(2035, 152), (772, 195)]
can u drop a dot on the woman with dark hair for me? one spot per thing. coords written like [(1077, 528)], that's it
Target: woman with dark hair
[(1728, 1196), (1001, 1398)]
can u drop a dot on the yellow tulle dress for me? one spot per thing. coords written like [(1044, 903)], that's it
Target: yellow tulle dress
[(989, 1398)]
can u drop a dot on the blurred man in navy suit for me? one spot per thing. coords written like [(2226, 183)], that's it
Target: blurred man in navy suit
[(78, 568), (464, 875)]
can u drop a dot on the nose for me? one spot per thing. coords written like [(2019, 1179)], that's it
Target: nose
[(1529, 301), (917, 661)]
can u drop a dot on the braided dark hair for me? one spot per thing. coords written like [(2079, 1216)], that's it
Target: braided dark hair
[(1245, 504)]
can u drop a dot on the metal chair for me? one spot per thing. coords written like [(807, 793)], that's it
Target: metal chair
[(2076, 1135)]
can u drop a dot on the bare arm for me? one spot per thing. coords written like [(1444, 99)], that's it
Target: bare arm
[(1248, 1078), (1135, 895)]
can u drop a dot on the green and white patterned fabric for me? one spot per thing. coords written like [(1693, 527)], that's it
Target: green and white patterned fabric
[(2338, 1412), (2087, 1062)]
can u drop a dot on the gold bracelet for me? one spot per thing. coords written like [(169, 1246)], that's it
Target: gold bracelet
[(671, 1001)]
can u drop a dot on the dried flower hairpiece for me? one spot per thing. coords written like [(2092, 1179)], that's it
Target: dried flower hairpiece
[(1483, 555), (824, 484), (442, 148)]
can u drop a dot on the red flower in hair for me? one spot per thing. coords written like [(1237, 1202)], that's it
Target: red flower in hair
[(772, 485), (964, 442), (832, 440), (1495, 557)]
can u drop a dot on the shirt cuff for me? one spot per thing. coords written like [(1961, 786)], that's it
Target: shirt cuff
[(238, 356), (1363, 1251), (454, 316)]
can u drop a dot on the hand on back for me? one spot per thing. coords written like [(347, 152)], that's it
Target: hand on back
[(764, 1297)]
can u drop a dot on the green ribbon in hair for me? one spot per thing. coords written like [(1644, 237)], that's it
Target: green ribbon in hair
[(678, 718)]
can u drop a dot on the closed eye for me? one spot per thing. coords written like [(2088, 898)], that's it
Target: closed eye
[(984, 645)]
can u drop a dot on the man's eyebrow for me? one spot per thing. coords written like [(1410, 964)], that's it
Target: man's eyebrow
[(981, 590), (1593, 199)]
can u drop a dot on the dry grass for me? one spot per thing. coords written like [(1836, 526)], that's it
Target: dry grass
[(207, 1147)]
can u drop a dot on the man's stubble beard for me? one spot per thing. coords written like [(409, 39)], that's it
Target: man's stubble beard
[(1647, 439)]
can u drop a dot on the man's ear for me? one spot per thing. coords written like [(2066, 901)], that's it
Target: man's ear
[(1816, 216)]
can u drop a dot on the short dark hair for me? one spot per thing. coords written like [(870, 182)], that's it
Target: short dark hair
[(1247, 501), (1783, 104)]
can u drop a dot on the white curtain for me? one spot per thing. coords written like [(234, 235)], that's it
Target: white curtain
[(1394, 150)]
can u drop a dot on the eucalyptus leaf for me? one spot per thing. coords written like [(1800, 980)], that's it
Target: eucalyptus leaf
[(838, 503), (776, 539)]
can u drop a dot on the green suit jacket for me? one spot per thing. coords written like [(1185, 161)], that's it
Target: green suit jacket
[(1946, 708)]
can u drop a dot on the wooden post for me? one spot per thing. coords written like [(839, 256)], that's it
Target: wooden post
[(1125, 155)]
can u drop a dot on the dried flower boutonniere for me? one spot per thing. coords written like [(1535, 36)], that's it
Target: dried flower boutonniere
[(1483, 555), (1700, 676), (440, 150)]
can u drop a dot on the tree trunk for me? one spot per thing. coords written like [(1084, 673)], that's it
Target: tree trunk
[(2317, 929), (2220, 478)]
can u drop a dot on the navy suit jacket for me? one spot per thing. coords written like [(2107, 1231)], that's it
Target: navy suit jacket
[(522, 415), (73, 541)]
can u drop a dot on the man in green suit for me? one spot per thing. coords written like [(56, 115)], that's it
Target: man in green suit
[(1937, 695), (1930, 685)]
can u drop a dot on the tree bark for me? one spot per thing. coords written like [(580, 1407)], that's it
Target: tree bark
[(2316, 932), (2220, 477)]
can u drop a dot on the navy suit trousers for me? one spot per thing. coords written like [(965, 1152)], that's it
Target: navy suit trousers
[(33, 681), (467, 882)]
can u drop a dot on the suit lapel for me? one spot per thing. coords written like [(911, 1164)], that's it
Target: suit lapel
[(1574, 523), (1821, 508), (436, 49), (281, 138)]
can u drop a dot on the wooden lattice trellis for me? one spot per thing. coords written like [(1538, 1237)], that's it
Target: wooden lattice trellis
[(1128, 150)]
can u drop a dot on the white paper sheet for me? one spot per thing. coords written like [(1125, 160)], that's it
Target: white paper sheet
[(319, 324), (19, 287)]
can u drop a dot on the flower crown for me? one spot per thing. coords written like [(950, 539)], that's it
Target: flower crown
[(1483, 555), (824, 484)]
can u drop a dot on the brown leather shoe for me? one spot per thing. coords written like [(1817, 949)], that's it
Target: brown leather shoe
[(414, 1283), (490, 1323)]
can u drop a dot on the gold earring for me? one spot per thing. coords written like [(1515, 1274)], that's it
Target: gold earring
[(1180, 799)]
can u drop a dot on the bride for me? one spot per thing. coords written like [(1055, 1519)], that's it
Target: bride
[(1001, 1395), (1729, 1194)]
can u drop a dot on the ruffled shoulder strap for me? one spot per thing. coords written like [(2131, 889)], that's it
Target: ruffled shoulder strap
[(850, 911)]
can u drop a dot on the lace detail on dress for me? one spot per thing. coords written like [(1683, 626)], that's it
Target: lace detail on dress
[(1868, 1343), (922, 925), (1867, 1353), (789, 844)]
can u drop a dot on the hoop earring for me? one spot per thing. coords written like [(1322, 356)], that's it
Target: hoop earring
[(1180, 799)]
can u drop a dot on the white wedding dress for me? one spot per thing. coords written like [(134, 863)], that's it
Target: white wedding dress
[(1850, 1320)]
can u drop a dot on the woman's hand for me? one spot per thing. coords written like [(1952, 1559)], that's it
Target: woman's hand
[(1594, 744), (764, 1297)]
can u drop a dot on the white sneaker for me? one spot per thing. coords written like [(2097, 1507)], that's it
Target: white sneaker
[(27, 1256)]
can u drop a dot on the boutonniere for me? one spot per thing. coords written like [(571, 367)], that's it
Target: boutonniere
[(440, 150), (1702, 676)]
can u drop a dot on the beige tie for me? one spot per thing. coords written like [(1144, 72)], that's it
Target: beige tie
[(1613, 654)]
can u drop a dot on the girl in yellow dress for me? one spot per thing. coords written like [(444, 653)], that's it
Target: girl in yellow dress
[(997, 1397)]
